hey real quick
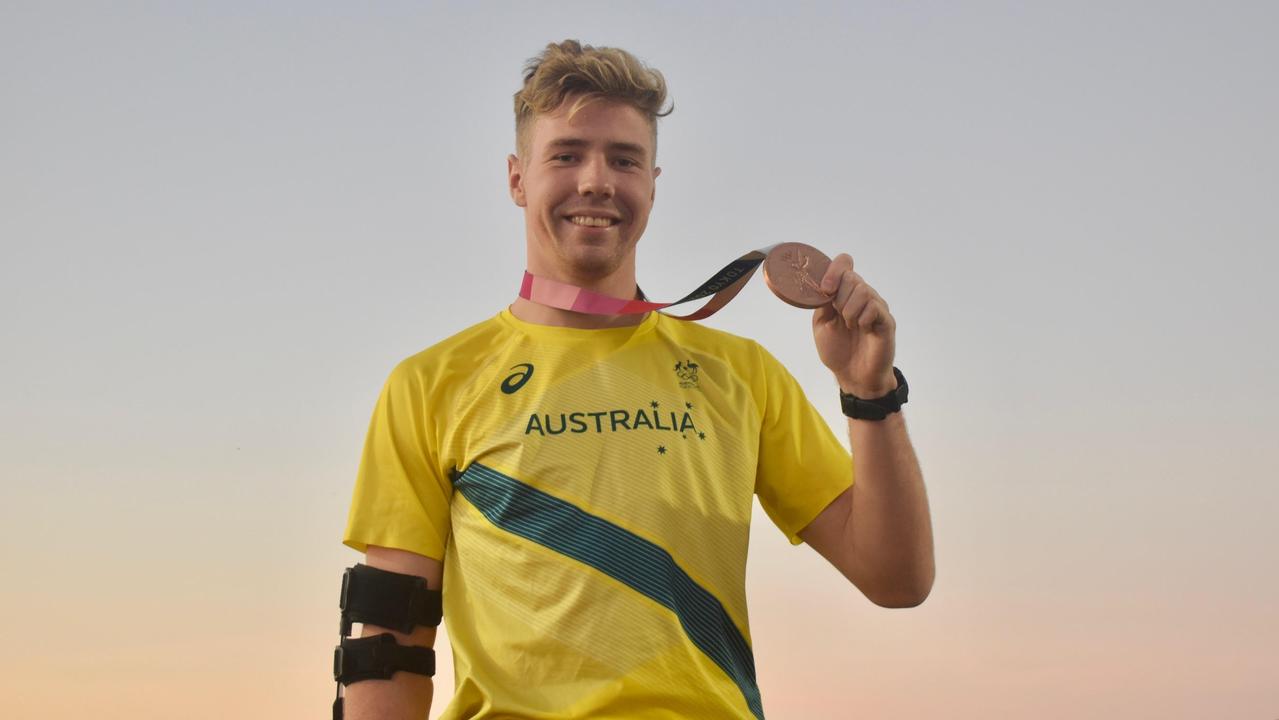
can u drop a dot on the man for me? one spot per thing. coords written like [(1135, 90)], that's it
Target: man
[(580, 486)]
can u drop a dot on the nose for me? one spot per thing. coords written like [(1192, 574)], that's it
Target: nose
[(595, 179)]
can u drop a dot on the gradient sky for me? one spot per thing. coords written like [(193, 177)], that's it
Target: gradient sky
[(221, 224)]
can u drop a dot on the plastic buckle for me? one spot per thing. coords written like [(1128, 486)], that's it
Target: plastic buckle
[(339, 662), (344, 625), (346, 588)]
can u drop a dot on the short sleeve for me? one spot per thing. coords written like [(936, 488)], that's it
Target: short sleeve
[(802, 466), (401, 497)]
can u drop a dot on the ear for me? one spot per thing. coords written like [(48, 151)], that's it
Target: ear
[(653, 196), (515, 180)]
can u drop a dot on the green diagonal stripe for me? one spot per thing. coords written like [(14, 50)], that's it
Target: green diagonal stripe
[(565, 528)]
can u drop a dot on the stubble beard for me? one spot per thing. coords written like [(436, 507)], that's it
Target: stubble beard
[(577, 260), (588, 264)]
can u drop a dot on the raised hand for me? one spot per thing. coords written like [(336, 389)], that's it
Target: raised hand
[(855, 333)]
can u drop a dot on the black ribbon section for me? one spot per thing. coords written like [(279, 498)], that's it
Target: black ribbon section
[(729, 274)]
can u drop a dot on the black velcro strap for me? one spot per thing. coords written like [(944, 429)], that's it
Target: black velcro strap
[(387, 599), (379, 657)]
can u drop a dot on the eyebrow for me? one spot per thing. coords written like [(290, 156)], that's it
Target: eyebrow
[(625, 147)]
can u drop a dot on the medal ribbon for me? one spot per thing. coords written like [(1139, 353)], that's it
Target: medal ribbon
[(720, 287)]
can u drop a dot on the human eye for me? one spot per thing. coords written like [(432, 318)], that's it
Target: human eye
[(563, 157), (627, 162)]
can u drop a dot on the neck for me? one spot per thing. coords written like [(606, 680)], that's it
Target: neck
[(620, 283)]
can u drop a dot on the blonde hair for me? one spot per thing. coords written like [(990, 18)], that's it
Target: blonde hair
[(591, 73)]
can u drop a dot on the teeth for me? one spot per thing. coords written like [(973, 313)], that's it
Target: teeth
[(590, 221)]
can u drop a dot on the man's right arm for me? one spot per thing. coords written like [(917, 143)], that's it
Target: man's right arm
[(406, 695)]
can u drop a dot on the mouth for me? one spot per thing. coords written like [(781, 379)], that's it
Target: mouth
[(592, 221)]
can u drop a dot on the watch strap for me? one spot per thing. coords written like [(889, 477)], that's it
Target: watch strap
[(877, 408)]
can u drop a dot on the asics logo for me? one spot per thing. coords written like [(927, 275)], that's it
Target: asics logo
[(516, 380)]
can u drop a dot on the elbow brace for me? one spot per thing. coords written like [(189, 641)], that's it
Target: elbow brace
[(389, 599)]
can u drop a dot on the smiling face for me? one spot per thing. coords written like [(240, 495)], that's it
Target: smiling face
[(586, 185)]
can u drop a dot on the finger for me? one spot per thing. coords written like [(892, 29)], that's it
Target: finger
[(856, 305), (848, 283), (879, 298), (842, 263), (875, 296), (868, 317), (876, 315)]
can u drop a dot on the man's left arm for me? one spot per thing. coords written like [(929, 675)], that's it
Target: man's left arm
[(878, 533)]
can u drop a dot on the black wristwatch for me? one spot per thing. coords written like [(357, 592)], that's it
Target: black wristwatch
[(879, 408)]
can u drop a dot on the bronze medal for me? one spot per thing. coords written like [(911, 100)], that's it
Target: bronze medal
[(794, 271)]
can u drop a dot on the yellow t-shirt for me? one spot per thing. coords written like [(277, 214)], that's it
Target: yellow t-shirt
[(589, 493)]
